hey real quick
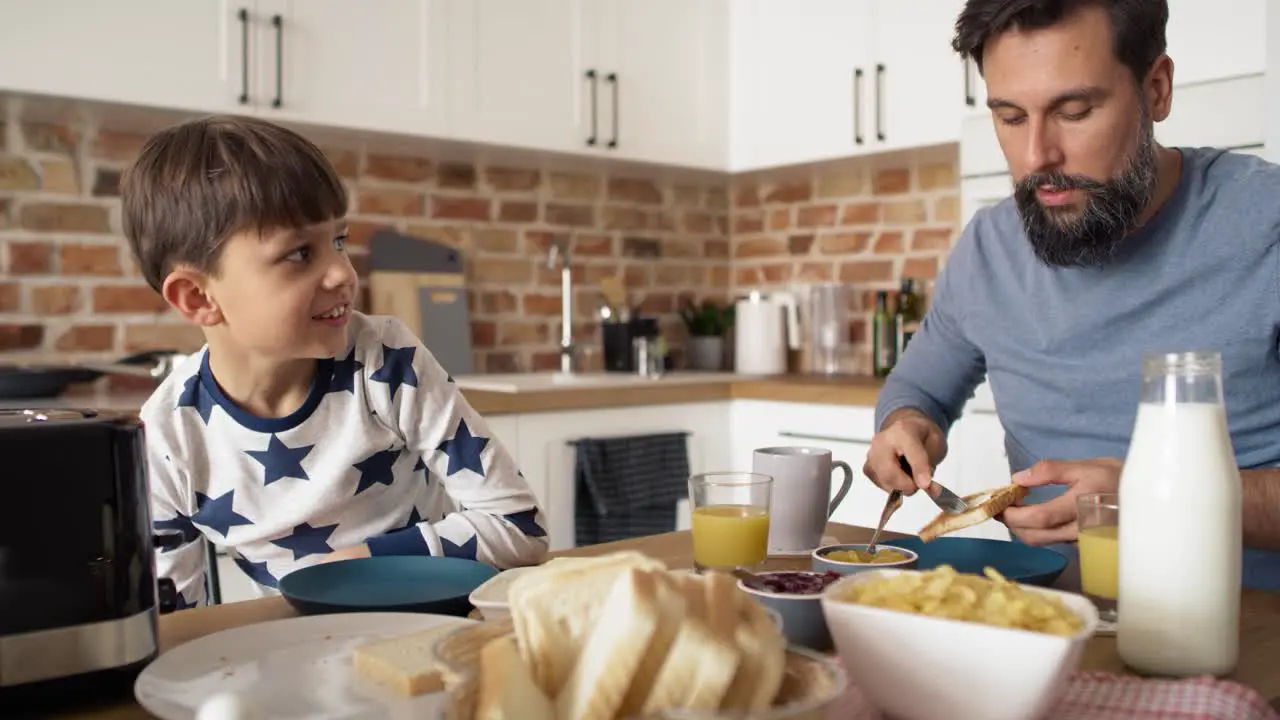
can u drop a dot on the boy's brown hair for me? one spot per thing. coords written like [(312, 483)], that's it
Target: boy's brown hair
[(196, 184)]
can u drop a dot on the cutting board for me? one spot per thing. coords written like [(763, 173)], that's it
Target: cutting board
[(421, 282)]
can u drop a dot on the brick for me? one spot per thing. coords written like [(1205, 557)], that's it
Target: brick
[(746, 276), (634, 190), (570, 215), (460, 208), (937, 176), (791, 192), (86, 338), (809, 216), (484, 334), (945, 209), (10, 297), (550, 276), (178, 336), (513, 211), (540, 241), (860, 213), (501, 270), (891, 181), (21, 336), (681, 248), (637, 276), (800, 244), (889, 243), (641, 247), (546, 361), (127, 299), (497, 302), (715, 248), (843, 243), (454, 175), (815, 272), (458, 237), (59, 176), (522, 332), (719, 276), (866, 271), (780, 218), (30, 258), (509, 179), (670, 276), (55, 299), (658, 303), (398, 168), (746, 195), (359, 261), (931, 239), (119, 147), (390, 201), (495, 241), (759, 247), (346, 163), (541, 304), (717, 198), (697, 222), (5, 204), (905, 212), (65, 217), (596, 272), (17, 174), (573, 186), (359, 232), (627, 218), (106, 183), (686, 196), (748, 222), (77, 259), (776, 273), (920, 267), (593, 246), (50, 138), (841, 183)]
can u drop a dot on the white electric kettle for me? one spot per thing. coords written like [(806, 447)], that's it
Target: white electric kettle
[(765, 328)]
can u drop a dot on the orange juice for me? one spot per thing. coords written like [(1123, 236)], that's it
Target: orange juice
[(1099, 561), (730, 535)]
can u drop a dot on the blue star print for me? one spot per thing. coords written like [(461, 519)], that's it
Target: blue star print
[(414, 517), (180, 523), (397, 369), (280, 460), (527, 521), (218, 513), (376, 470), (307, 540), (195, 396), (465, 550), (344, 374), (257, 572), (180, 602), (463, 450)]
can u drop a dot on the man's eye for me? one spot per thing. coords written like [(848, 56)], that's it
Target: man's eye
[(1077, 115), (1011, 119)]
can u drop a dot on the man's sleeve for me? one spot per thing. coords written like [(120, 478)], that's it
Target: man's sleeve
[(940, 367)]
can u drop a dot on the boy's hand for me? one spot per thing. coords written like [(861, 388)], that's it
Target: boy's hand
[(354, 552)]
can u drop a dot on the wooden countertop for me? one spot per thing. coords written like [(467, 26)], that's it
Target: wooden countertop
[(1259, 620)]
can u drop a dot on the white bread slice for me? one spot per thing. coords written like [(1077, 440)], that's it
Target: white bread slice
[(406, 663), (672, 609), (700, 666), (555, 608), (613, 650), (507, 689), (983, 506), (764, 657)]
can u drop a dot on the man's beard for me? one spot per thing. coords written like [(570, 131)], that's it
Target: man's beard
[(1089, 237)]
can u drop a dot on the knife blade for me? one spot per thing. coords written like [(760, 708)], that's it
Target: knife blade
[(946, 500)]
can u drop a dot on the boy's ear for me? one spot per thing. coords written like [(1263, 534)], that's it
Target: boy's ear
[(185, 291)]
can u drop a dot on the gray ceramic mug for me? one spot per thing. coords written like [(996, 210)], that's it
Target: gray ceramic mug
[(801, 501)]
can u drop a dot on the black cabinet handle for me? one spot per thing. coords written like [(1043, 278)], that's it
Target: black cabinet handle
[(612, 79), (880, 102), (857, 106), (591, 76), (243, 15), (969, 99), (278, 22)]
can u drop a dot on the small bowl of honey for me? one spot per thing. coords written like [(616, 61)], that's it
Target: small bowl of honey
[(850, 558)]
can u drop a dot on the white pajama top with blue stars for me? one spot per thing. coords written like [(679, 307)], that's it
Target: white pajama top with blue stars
[(385, 450)]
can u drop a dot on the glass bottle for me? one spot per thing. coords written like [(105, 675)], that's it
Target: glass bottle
[(906, 317), (882, 337), (1180, 524)]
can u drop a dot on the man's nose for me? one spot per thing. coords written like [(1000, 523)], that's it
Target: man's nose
[(1043, 152)]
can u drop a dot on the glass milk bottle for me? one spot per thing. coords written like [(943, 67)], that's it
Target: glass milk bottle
[(1180, 524)]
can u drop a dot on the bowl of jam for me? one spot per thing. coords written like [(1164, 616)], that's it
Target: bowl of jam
[(795, 595)]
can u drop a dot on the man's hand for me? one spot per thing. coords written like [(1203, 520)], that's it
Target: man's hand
[(908, 434), (1055, 521), (354, 552)]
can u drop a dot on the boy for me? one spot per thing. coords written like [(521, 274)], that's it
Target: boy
[(303, 431)]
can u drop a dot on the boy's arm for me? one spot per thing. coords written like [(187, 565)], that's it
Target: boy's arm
[(183, 563), (498, 521)]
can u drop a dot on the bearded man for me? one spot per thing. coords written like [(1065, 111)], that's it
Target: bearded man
[(1111, 247)]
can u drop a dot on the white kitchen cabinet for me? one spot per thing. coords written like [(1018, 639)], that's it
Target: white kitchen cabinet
[(1216, 40)]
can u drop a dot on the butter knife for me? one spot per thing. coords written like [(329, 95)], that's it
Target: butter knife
[(946, 500)]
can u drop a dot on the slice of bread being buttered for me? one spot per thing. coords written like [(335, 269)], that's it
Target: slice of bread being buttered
[(983, 506)]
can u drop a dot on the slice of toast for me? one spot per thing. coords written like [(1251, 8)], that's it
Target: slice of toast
[(507, 690), (983, 506), (407, 663)]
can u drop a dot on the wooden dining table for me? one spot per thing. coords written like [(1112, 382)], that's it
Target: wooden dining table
[(1258, 667)]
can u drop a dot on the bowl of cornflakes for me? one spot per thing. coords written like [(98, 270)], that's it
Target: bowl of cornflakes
[(849, 558), (942, 644)]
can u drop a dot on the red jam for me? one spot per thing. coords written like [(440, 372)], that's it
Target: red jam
[(795, 583)]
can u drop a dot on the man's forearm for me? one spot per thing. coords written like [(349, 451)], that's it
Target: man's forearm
[(1261, 508)]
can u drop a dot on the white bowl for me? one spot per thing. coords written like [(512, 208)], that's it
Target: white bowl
[(917, 667), (491, 597)]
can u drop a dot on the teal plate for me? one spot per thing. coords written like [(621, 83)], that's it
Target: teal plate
[(1014, 560), (419, 583)]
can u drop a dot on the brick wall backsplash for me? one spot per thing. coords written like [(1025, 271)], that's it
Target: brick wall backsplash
[(69, 288)]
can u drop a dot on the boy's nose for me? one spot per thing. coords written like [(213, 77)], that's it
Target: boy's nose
[(340, 273)]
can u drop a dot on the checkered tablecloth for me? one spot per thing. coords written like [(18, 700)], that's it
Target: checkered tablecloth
[(1104, 696)]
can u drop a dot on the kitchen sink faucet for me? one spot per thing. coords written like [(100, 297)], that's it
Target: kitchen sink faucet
[(560, 251)]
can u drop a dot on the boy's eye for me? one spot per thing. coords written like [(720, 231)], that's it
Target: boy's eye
[(340, 242), (301, 254)]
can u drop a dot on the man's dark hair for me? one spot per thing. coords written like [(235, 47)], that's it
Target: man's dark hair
[(1137, 26)]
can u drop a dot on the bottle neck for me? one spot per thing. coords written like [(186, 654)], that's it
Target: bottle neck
[(1182, 378)]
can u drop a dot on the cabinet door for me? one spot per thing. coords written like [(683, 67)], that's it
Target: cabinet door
[(373, 65), (664, 97), (916, 92), (1215, 40), (520, 76), (182, 55), (977, 439)]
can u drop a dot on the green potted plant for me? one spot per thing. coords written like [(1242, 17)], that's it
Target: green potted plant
[(707, 324)]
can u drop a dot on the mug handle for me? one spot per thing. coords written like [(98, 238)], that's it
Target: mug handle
[(844, 486)]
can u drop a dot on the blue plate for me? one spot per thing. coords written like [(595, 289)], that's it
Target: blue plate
[(1014, 560), (438, 585)]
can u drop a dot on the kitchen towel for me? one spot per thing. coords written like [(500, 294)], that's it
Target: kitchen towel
[(627, 487)]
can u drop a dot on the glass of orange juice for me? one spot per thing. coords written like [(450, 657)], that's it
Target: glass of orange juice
[(1099, 522), (730, 519)]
